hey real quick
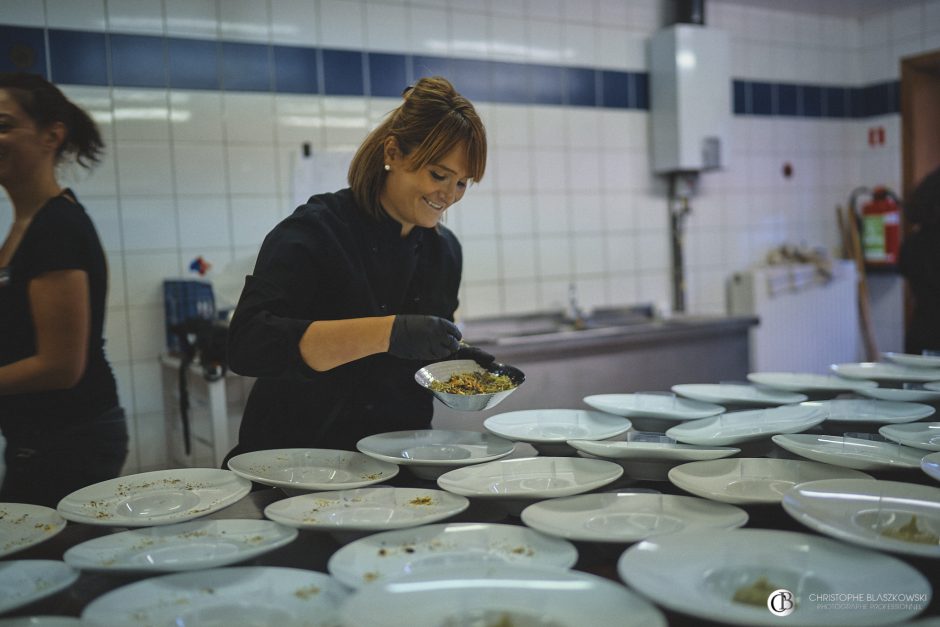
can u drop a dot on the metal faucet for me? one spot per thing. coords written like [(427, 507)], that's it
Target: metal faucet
[(578, 318)]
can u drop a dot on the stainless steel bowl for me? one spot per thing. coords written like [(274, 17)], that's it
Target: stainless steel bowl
[(443, 370)]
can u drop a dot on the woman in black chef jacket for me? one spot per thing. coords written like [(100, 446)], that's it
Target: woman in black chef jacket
[(59, 408), (357, 289), (919, 263)]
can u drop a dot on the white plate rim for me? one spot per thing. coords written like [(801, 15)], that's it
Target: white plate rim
[(339, 565), (879, 371), (456, 504), (695, 431), (530, 514), (61, 574), (363, 447), (897, 433), (385, 470), (913, 360), (618, 425), (922, 410), (704, 410), (71, 506), (807, 381), (793, 442), (38, 514), (652, 450), (699, 392), (450, 480), (274, 535)]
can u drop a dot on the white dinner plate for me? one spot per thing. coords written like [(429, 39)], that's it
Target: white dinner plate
[(877, 371), (916, 395), (807, 382), (184, 546), (628, 516), (922, 435), (871, 513), (556, 425), (366, 509), (24, 525), (699, 574), (310, 469), (435, 447), (668, 406), (874, 411), (742, 426), (930, 464), (651, 451), (25, 581), (384, 556), (239, 595), (41, 621), (752, 479), (161, 497), (850, 452), (531, 477), (497, 595), (737, 394), (933, 386), (914, 360)]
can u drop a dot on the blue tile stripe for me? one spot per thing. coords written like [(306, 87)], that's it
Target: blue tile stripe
[(123, 60)]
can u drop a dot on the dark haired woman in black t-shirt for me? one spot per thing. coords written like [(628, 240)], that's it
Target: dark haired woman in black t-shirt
[(59, 411)]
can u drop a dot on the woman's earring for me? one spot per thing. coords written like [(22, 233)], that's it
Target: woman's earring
[(388, 168)]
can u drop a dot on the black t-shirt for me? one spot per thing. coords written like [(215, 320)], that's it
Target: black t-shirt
[(920, 264), (61, 236), (331, 261)]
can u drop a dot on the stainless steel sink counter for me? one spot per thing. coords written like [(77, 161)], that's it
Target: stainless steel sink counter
[(563, 364)]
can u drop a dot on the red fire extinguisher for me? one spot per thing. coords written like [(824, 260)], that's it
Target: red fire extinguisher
[(881, 228)]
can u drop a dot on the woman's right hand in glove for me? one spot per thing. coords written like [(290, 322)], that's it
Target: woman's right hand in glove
[(423, 337)]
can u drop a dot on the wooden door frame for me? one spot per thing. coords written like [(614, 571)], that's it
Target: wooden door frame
[(920, 130)]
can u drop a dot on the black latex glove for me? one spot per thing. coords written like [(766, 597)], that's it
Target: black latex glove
[(476, 354), (423, 337)]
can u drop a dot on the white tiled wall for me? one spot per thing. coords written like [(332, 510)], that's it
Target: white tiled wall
[(568, 195)]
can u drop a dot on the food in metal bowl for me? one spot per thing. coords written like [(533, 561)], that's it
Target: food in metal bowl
[(473, 382)]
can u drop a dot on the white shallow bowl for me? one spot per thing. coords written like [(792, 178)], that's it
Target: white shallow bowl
[(737, 394), (25, 581), (698, 574), (807, 382), (309, 469), (915, 395), (500, 594), (23, 525), (860, 510), (651, 451), (877, 371), (543, 426), (930, 464), (628, 516), (530, 477), (366, 509), (239, 595), (922, 435), (752, 479), (444, 370), (185, 546), (851, 452), (667, 406), (914, 360), (428, 453), (873, 411), (384, 556), (743, 426), (161, 497)]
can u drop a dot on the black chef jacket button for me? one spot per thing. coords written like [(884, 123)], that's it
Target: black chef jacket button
[(417, 299), (375, 249), (382, 307)]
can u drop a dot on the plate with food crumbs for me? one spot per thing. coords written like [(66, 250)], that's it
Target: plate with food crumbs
[(25, 581), (240, 595), (384, 556), (727, 576), (465, 385), (366, 509), (183, 546), (24, 525), (886, 515), (160, 497), (499, 594), (628, 516), (312, 469)]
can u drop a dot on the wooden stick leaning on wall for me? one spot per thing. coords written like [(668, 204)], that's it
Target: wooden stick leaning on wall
[(852, 245)]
